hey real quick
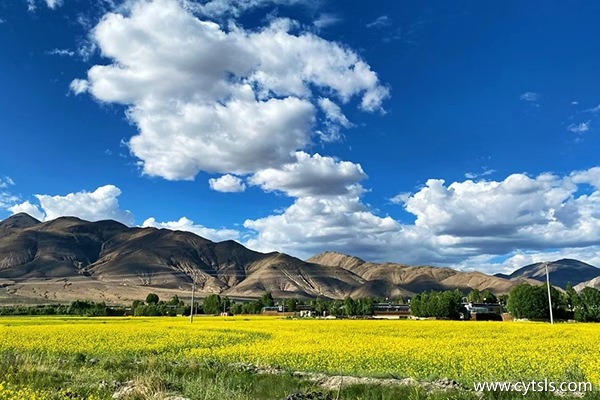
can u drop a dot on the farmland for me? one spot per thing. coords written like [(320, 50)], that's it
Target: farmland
[(424, 350)]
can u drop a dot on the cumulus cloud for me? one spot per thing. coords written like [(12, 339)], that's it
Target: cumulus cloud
[(27, 208), (226, 101), (78, 86), (313, 224), (91, 206), (185, 224), (579, 128), (466, 224), (311, 176), (227, 184)]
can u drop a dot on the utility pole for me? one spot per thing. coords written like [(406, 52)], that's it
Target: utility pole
[(549, 295), (193, 290)]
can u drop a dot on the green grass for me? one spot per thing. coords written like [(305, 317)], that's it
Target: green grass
[(78, 377)]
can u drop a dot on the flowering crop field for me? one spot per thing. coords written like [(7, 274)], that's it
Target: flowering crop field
[(464, 351)]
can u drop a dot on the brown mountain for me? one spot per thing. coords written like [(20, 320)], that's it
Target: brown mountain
[(68, 258), (562, 272), (392, 280)]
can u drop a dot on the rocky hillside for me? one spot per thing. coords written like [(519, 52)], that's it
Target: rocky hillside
[(69, 258), (562, 272)]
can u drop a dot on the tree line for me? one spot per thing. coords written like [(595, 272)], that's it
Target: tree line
[(523, 301)]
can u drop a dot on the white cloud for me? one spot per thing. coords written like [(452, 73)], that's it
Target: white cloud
[(325, 20), (314, 175), (531, 97), (400, 198), (594, 109), (380, 22), (496, 226), (91, 206), (27, 208), (6, 197), (334, 119), (227, 184), (62, 52), (313, 224), (54, 3), (234, 8), (185, 224), (579, 128), (475, 175), (5, 182), (226, 101), (78, 86), (2, 20)]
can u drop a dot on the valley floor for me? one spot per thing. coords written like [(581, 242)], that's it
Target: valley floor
[(269, 358)]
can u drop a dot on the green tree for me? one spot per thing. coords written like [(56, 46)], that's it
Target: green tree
[(437, 304), (236, 308), (152, 298), (291, 304), (474, 296), (488, 297), (531, 302), (174, 301), (570, 297), (365, 306), (320, 305), (587, 306), (267, 300), (212, 304), (349, 306)]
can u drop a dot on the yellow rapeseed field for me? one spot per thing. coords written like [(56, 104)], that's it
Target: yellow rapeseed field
[(464, 351)]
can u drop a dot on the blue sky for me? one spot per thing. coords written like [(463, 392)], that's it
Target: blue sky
[(461, 134)]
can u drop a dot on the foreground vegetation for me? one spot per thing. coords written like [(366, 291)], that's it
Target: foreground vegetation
[(93, 358)]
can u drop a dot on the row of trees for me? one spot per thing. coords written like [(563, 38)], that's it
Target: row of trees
[(447, 304), (523, 301), (77, 307), (527, 301), (154, 307), (215, 304)]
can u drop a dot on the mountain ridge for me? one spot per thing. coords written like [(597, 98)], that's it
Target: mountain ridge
[(69, 258)]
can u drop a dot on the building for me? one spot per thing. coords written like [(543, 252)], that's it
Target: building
[(484, 311), (388, 310)]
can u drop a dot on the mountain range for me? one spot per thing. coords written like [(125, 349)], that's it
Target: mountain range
[(68, 258)]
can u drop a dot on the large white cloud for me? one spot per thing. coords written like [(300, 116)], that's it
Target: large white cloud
[(185, 224), (496, 226), (311, 176), (98, 205), (220, 100), (313, 224)]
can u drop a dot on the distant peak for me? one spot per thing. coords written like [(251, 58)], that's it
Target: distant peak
[(335, 259), (20, 220)]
